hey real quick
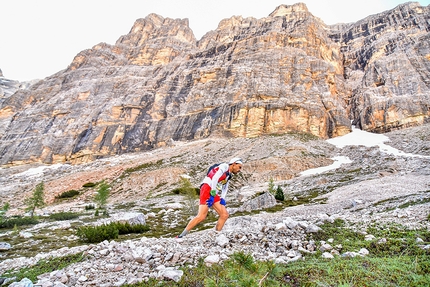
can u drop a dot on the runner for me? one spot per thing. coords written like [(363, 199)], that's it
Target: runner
[(213, 191)]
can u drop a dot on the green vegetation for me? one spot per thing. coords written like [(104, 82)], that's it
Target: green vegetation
[(36, 200), (96, 234), (89, 184), (68, 194), (18, 221), (89, 207), (279, 195), (185, 188), (397, 262), (102, 195), (3, 211), (277, 191), (149, 165), (44, 266), (272, 188), (63, 216)]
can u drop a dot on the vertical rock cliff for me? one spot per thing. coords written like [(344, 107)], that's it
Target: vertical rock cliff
[(387, 67), (288, 72)]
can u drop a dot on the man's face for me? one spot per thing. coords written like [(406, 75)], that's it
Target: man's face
[(236, 167)]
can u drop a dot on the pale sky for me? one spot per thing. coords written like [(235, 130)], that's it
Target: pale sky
[(41, 37)]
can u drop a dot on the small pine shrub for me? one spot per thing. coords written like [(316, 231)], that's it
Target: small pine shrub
[(63, 216), (97, 213), (102, 195), (68, 194), (89, 184), (272, 189), (97, 234), (279, 195), (90, 207)]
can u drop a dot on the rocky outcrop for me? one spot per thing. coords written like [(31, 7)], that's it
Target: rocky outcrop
[(288, 72), (387, 67)]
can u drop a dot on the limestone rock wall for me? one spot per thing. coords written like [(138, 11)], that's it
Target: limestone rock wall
[(387, 67), (288, 72)]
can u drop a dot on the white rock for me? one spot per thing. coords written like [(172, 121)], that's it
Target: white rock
[(327, 255), (172, 274), (312, 228), (326, 247), (211, 259), (290, 223), (369, 237), (24, 234), (280, 226), (349, 254), (363, 252), (25, 282), (222, 240)]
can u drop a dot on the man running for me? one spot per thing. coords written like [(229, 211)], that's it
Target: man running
[(213, 191)]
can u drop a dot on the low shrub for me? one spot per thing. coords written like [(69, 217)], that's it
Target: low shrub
[(96, 234), (279, 195), (89, 184), (18, 221), (63, 216), (127, 228), (90, 206), (68, 194)]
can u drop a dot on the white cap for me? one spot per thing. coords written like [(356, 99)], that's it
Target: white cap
[(236, 160)]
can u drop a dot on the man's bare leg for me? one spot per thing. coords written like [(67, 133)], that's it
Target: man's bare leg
[(223, 215), (201, 215)]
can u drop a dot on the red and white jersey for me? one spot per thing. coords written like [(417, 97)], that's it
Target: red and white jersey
[(218, 179)]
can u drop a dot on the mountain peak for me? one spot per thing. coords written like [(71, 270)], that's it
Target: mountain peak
[(283, 10)]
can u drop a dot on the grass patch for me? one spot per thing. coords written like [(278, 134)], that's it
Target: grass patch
[(148, 165), (18, 221), (401, 262), (414, 202), (44, 266), (63, 216)]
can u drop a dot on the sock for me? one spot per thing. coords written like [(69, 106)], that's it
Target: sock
[(185, 232)]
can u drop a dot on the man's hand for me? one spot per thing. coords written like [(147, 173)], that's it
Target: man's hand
[(222, 201), (210, 201)]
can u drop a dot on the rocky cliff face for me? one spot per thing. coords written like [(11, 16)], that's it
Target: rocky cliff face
[(288, 72), (387, 67)]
